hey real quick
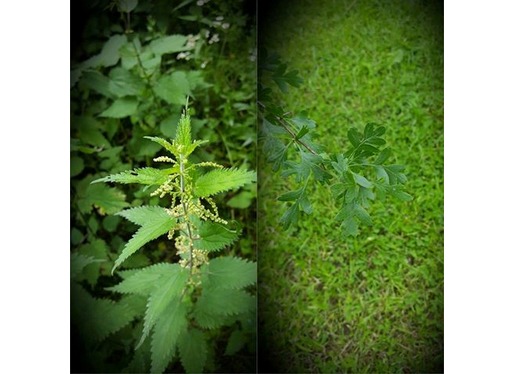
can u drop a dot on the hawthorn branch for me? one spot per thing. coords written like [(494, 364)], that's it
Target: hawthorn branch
[(286, 125)]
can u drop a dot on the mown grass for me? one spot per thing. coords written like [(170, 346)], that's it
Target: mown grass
[(374, 303)]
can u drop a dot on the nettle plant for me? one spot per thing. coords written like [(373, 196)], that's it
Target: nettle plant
[(188, 300), (355, 177)]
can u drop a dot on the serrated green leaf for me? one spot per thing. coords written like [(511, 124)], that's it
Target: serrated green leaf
[(183, 134), (155, 227), (168, 44), (193, 350), (163, 143), (146, 280), (236, 342), (124, 107), (142, 214), (167, 292), (169, 326), (215, 236), (97, 318), (225, 301), (229, 273), (148, 176), (220, 180), (209, 321), (108, 200), (79, 262), (96, 248)]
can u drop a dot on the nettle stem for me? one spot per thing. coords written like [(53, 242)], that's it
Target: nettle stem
[(185, 211)]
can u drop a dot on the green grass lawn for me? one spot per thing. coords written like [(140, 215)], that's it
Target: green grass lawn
[(374, 303)]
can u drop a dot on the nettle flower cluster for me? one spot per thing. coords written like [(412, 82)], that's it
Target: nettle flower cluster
[(192, 216), (184, 204)]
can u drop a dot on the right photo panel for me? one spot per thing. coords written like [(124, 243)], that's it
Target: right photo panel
[(350, 186)]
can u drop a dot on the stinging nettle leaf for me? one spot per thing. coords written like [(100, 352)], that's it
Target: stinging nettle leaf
[(220, 180), (146, 280), (154, 228), (142, 214), (148, 176), (166, 293), (215, 236), (229, 273), (167, 330), (225, 302), (193, 350)]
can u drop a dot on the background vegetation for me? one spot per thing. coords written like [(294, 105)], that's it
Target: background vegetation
[(133, 65), (373, 303)]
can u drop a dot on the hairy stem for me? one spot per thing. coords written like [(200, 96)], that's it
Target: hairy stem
[(185, 210)]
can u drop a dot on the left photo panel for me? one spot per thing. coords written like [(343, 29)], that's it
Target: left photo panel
[(163, 186)]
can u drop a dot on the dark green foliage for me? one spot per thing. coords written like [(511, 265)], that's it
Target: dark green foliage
[(288, 144), (132, 72)]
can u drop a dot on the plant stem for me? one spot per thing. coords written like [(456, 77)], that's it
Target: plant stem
[(185, 209), (284, 123)]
